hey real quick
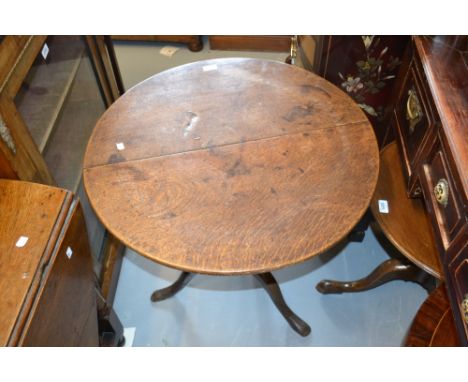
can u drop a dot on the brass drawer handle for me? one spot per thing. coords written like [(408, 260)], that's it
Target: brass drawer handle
[(413, 110), (441, 192), (464, 308)]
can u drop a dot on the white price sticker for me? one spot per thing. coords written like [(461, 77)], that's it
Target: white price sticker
[(21, 242), (168, 51), (45, 51), (120, 146), (383, 207), (209, 68), (69, 252)]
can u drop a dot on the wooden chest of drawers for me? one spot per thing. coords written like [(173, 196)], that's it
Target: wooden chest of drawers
[(46, 275), (430, 121)]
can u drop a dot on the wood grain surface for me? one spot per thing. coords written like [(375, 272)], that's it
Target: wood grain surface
[(65, 313), (434, 324), (194, 42), (231, 166), (196, 106), (20, 265), (407, 224), (446, 70), (10, 49), (254, 43)]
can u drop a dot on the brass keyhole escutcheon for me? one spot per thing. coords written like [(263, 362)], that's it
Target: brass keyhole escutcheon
[(464, 308), (441, 192), (413, 110)]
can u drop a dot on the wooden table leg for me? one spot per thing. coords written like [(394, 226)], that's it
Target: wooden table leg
[(182, 281), (359, 231), (269, 283), (110, 327), (389, 270)]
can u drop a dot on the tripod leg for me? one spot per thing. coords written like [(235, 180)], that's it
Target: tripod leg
[(389, 270), (171, 290), (269, 283)]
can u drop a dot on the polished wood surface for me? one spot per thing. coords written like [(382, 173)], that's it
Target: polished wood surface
[(113, 252), (446, 69), (266, 280), (436, 155), (18, 265), (10, 49), (389, 270), (23, 55), (25, 161), (48, 283), (231, 166), (269, 283), (407, 224), (216, 103), (110, 91), (434, 324), (405, 227), (165, 293), (6, 170), (255, 43), (65, 312), (194, 43)]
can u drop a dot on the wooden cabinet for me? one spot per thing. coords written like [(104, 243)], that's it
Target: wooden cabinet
[(414, 122), (430, 123), (46, 274), (53, 89)]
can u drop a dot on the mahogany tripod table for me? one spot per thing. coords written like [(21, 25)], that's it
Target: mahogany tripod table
[(404, 225), (232, 167)]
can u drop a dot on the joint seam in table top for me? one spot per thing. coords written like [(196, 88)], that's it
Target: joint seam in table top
[(228, 144), (363, 126)]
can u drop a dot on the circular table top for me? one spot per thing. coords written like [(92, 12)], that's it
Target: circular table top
[(231, 166), (407, 224)]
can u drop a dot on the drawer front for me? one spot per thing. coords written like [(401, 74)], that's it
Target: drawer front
[(441, 196), (413, 116)]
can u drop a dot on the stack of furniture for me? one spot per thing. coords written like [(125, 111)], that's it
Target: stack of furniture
[(430, 122), (425, 186), (52, 91)]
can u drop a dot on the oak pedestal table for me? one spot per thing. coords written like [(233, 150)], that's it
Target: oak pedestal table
[(232, 167)]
